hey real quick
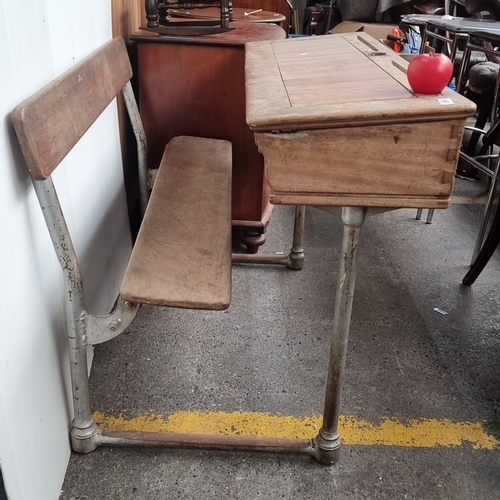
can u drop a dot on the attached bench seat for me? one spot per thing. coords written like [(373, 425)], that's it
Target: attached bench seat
[(182, 256)]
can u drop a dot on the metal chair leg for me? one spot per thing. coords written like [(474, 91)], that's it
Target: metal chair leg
[(430, 215), (487, 250), (487, 211)]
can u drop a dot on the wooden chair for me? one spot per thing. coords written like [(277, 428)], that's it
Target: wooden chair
[(182, 255)]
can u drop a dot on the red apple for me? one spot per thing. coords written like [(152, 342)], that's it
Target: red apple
[(429, 73)]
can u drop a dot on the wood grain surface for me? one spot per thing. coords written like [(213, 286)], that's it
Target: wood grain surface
[(213, 13), (282, 6), (182, 255), (336, 81), (333, 73), (127, 16), (237, 37), (383, 165), (50, 123)]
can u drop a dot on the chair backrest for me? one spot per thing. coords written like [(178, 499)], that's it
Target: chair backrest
[(49, 123), (492, 137), (491, 6)]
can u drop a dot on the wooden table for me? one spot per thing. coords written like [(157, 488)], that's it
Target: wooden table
[(339, 126), (213, 13), (195, 85)]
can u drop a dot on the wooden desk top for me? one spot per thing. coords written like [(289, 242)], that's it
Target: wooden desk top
[(336, 81)]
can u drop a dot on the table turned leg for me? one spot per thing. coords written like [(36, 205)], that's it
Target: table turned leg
[(253, 239), (328, 440), (297, 251)]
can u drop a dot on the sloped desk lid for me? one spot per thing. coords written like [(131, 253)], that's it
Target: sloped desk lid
[(334, 81)]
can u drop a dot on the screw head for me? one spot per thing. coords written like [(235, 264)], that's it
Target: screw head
[(113, 326)]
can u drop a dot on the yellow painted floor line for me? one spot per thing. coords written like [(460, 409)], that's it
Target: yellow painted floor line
[(422, 433)]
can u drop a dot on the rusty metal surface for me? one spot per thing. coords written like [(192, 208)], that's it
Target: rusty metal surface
[(83, 429), (247, 258), (207, 442), (142, 145), (328, 439)]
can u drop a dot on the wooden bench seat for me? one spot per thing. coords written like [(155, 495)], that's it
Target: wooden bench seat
[(182, 256)]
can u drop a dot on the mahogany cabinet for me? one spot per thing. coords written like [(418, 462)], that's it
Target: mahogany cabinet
[(195, 85)]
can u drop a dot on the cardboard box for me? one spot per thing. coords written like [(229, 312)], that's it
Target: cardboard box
[(376, 30)]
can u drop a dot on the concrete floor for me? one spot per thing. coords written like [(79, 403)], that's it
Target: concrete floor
[(269, 352)]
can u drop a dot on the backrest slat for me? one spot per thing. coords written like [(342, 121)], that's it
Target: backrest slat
[(49, 123)]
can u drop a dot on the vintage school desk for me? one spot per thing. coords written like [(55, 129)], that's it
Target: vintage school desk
[(339, 126)]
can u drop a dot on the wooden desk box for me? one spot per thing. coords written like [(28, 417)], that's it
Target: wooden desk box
[(339, 125)]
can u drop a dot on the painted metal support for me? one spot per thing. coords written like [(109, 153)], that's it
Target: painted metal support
[(83, 328), (99, 329), (328, 440), (206, 442), (83, 430), (142, 145)]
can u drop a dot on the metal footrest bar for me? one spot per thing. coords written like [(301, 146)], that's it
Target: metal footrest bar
[(207, 442), (246, 258), (294, 260)]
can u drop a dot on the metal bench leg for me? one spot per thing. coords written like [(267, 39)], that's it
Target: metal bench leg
[(328, 440), (84, 431), (419, 214)]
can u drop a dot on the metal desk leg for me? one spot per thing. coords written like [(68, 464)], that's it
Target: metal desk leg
[(328, 440)]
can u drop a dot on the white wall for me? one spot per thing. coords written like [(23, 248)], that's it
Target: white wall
[(39, 39)]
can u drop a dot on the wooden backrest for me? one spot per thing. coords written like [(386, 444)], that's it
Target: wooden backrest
[(49, 123)]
